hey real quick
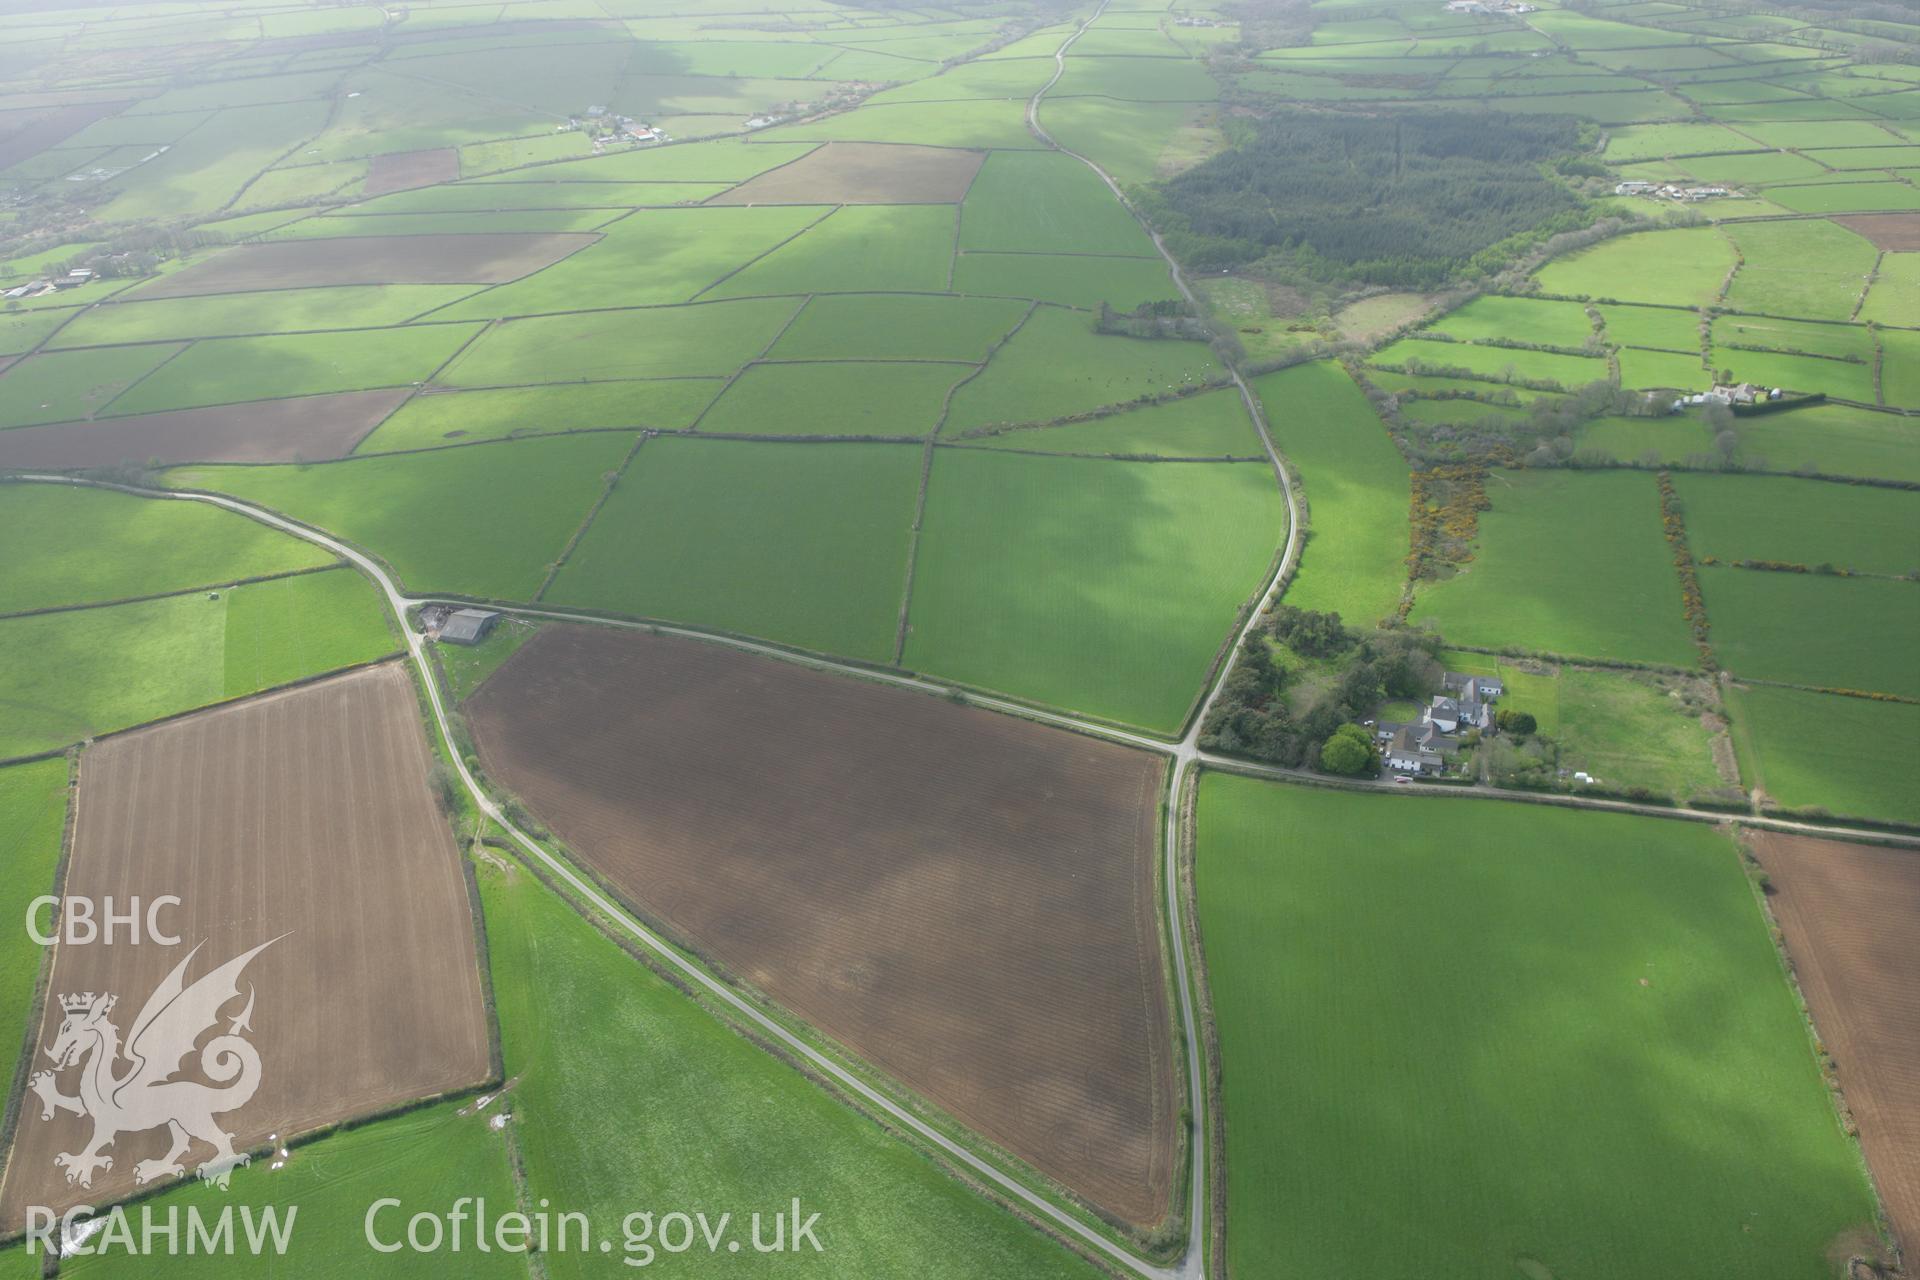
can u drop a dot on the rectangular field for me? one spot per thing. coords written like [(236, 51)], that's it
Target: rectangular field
[(1845, 756), (478, 258), (417, 511), (303, 822), (962, 898), (1105, 587), (1567, 563), (81, 673), (1354, 561), (804, 544), (1806, 522), (1814, 629), (1561, 982), (1680, 267), (1844, 909), (292, 429)]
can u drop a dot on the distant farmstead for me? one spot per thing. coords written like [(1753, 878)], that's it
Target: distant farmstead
[(467, 626)]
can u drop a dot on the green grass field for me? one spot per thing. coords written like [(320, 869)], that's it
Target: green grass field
[(1802, 522), (1046, 202), (289, 627), (58, 386), (818, 398), (1671, 370), (805, 544), (1681, 267), (33, 812), (68, 545), (929, 124), (857, 249), (1355, 481), (1567, 563), (1549, 1050), (85, 672), (1056, 365), (269, 311), (1554, 324), (1073, 281), (653, 342), (1900, 368), (1104, 587), (1211, 424), (1847, 380), (1845, 755), (655, 256), (697, 1117), (1808, 629), (1134, 141), (1837, 341), (485, 520), (1497, 364), (1666, 328), (897, 327), (1669, 439), (1833, 439), (1811, 268), (1629, 731), (230, 370), (430, 421), (1895, 295), (427, 1159)]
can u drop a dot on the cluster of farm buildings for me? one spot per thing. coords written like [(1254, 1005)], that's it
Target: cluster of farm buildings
[(1504, 8), (1671, 191), (1420, 747), (1730, 394), (608, 126), (49, 284)]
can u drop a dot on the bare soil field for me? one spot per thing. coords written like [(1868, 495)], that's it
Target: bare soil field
[(482, 257), (309, 428), (49, 129), (405, 170), (964, 899), (1896, 232), (1850, 913), (863, 173), (301, 819)]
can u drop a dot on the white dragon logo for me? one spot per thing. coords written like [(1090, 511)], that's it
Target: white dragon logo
[(146, 1096)]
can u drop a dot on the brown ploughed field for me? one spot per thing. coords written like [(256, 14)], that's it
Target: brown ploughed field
[(48, 127), (1895, 232), (300, 818), (863, 173), (1850, 913), (965, 899), (405, 170), (481, 257), (309, 428)]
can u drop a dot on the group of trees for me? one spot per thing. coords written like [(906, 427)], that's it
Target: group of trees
[(1397, 199), (1254, 718)]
